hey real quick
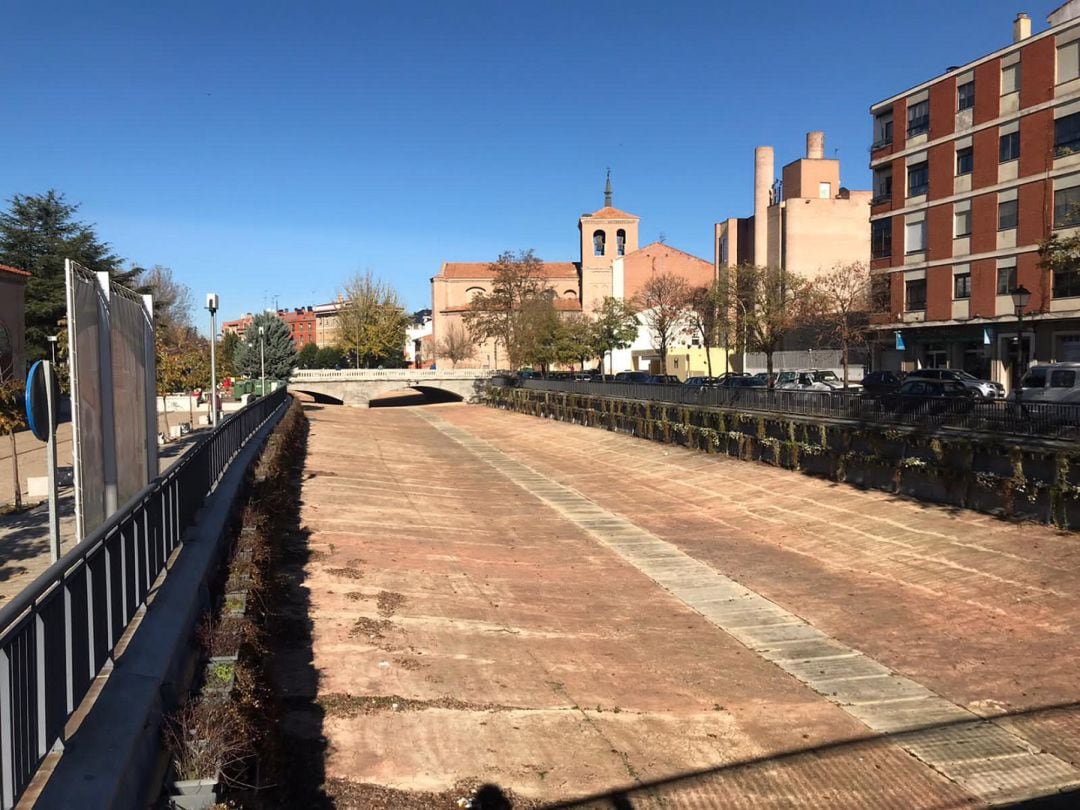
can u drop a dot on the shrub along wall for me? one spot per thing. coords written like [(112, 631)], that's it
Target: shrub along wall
[(1007, 476)]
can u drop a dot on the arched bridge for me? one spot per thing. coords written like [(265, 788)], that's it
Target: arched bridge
[(359, 386)]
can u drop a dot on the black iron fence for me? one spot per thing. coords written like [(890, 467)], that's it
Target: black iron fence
[(1046, 419), (61, 630)]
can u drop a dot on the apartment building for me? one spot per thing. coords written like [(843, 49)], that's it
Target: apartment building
[(302, 323), (971, 170)]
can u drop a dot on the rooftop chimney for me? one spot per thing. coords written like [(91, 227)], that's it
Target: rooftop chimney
[(815, 145), (1021, 27)]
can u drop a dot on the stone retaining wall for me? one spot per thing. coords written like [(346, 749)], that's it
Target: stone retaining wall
[(1012, 477)]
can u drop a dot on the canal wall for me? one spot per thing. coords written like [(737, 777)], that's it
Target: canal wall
[(1008, 476)]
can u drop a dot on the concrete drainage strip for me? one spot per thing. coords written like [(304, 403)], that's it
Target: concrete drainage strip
[(989, 761)]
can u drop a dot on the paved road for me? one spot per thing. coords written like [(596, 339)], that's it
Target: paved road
[(566, 612)]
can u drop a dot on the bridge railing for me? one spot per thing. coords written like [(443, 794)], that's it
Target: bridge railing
[(320, 374), (61, 630)]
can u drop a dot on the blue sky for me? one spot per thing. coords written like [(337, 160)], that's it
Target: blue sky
[(270, 149)]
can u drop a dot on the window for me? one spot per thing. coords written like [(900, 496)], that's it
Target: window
[(1010, 79), (961, 285), (882, 129), (965, 160), (882, 185), (965, 96), (1067, 207), (824, 191), (881, 238), (1009, 147), (918, 179), (1068, 61), (723, 250), (1067, 135), (915, 295), (598, 238), (1006, 214), (918, 118), (620, 242), (1067, 284), (915, 237), (1006, 280), (962, 223), (1062, 378)]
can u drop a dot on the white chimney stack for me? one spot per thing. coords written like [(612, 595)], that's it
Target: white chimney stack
[(1021, 27)]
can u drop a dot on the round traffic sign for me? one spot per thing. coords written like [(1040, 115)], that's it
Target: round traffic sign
[(37, 401)]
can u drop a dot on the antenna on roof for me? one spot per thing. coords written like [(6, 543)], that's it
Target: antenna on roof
[(607, 190)]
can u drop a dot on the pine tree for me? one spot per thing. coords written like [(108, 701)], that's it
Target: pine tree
[(279, 351), (37, 233)]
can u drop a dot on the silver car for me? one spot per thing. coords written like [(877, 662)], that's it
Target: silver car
[(984, 388), (1054, 382), (812, 380)]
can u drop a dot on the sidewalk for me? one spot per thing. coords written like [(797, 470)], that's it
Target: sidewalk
[(24, 537)]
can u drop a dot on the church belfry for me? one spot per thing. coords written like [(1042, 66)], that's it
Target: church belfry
[(606, 235)]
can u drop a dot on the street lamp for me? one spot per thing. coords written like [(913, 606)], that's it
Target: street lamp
[(52, 346), (262, 361), (212, 305), (1020, 297)]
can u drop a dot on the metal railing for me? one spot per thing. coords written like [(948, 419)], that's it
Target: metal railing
[(59, 632), (313, 374), (1046, 419)]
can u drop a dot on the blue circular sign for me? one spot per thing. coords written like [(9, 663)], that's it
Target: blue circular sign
[(37, 402)]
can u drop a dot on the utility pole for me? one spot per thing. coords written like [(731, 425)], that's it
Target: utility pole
[(262, 361)]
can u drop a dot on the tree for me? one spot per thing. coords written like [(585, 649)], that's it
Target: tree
[(308, 355), (37, 233), (516, 279), (329, 357), (173, 301), (615, 327), (664, 300), (11, 419), (577, 339), (183, 362), (371, 321), (707, 304), (538, 332), (278, 349), (843, 298), (772, 303), (226, 354), (455, 345)]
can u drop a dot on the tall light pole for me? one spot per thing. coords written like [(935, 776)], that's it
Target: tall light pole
[(212, 305), (262, 361), (52, 346), (1020, 297)]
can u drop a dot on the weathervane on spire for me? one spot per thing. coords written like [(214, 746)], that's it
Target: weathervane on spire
[(607, 190)]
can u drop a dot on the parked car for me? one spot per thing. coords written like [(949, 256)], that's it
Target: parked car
[(984, 388), (764, 378), (877, 383), (1054, 382), (632, 376), (663, 379), (582, 376), (927, 396), (741, 381), (702, 382), (811, 380)]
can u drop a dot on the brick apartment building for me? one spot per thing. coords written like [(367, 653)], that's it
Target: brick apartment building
[(971, 170), (301, 322)]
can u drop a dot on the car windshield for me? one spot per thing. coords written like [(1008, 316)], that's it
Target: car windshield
[(963, 375), (825, 376), (1034, 379)]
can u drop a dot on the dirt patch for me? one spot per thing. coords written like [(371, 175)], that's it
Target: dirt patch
[(372, 628), (466, 793), (346, 573), (388, 602), (357, 596), (410, 664), (341, 705)]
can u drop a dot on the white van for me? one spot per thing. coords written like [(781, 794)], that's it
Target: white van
[(1054, 382)]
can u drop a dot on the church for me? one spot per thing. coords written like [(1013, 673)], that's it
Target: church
[(610, 264)]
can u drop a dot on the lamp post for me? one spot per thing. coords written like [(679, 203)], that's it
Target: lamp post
[(212, 305), (262, 361), (1020, 297), (52, 347)]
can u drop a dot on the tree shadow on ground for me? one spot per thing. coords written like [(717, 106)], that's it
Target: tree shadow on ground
[(24, 535)]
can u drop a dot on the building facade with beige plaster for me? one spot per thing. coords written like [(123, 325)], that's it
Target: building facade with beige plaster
[(12, 323), (611, 265), (972, 169), (804, 222)]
